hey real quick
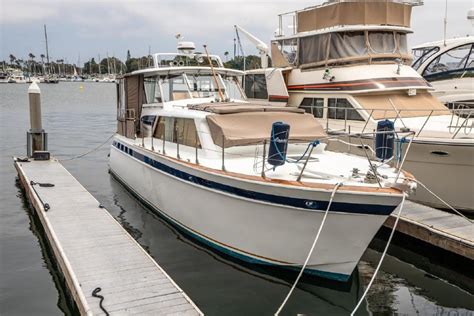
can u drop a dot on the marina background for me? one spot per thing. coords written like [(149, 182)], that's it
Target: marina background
[(80, 119), (80, 31)]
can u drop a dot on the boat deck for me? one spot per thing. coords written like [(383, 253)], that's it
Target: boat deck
[(444, 230), (93, 250)]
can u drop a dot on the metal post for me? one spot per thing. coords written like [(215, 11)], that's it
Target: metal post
[(345, 119), (305, 163), (177, 142), (223, 153), (143, 134), (164, 135), (264, 157), (196, 149), (152, 147)]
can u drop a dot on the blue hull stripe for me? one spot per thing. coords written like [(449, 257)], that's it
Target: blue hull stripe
[(239, 256), (372, 209)]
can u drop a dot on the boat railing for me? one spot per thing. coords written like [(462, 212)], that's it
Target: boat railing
[(261, 154), (341, 119)]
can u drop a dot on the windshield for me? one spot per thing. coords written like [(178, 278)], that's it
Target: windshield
[(420, 55), (176, 87), (204, 86)]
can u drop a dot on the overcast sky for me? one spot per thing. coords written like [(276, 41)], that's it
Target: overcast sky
[(92, 27)]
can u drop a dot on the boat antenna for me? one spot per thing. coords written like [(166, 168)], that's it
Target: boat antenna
[(445, 21), (214, 74)]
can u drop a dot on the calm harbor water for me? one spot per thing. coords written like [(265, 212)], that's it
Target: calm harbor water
[(411, 281)]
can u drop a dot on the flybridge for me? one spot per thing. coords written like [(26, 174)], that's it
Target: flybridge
[(186, 56), (346, 12)]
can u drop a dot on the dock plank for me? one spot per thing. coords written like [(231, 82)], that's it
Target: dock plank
[(90, 244), (444, 230)]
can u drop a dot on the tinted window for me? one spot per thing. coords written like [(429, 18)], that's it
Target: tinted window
[(313, 106), (256, 86), (341, 109), (174, 129)]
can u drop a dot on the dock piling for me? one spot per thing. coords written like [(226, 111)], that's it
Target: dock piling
[(37, 139)]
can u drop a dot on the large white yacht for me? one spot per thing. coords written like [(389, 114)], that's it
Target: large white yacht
[(348, 63), (448, 65), (191, 148)]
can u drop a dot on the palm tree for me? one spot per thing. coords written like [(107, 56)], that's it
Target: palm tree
[(31, 61), (12, 59), (42, 56)]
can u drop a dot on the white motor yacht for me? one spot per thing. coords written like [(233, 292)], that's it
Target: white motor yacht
[(449, 67), (348, 64), (191, 148)]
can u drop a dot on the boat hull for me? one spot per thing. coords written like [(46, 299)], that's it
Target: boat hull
[(249, 229)]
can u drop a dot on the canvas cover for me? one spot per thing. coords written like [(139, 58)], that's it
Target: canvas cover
[(409, 106), (354, 13), (230, 108), (250, 128)]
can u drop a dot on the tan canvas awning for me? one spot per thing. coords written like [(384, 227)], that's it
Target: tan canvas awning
[(409, 106), (230, 108), (249, 128), (354, 13)]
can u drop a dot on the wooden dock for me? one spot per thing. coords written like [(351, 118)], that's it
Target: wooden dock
[(93, 250), (444, 230)]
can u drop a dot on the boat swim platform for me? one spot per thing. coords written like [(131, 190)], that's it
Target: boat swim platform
[(441, 229), (93, 250)]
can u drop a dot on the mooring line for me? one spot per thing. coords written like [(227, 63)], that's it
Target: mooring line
[(311, 250), (90, 151), (381, 258)]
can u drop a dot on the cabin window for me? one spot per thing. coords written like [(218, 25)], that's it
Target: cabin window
[(422, 54), (232, 88), (256, 86), (341, 109), (289, 49), (174, 88), (152, 90), (204, 86), (347, 44), (314, 106), (174, 129), (382, 42), (451, 64), (351, 47)]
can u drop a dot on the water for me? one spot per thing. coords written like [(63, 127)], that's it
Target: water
[(80, 119)]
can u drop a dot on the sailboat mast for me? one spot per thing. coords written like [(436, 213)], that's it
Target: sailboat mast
[(46, 39)]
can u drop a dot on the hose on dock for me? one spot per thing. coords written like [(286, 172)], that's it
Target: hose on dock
[(381, 258), (336, 187), (101, 297)]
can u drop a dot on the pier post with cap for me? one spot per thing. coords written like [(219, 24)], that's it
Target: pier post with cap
[(36, 137)]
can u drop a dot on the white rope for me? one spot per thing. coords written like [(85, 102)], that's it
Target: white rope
[(381, 258), (444, 202), (311, 250), (90, 151)]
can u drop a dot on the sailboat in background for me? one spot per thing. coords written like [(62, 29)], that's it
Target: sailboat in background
[(48, 77)]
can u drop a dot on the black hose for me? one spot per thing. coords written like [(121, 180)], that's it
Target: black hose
[(94, 294)]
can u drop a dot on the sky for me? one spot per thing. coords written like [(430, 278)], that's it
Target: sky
[(79, 30)]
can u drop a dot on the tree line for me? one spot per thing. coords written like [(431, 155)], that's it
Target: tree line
[(108, 65)]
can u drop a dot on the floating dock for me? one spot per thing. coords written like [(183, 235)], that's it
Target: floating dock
[(94, 251), (441, 229)]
